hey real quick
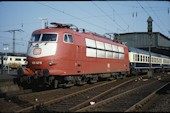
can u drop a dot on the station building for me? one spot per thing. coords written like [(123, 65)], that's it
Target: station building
[(159, 43)]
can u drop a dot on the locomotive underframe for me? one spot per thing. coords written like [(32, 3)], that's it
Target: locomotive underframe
[(70, 80)]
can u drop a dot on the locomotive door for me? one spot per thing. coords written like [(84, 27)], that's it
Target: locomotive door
[(78, 54)]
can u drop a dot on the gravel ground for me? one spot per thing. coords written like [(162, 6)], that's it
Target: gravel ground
[(160, 103)]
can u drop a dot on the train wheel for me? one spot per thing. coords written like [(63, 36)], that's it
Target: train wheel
[(69, 84), (80, 80), (94, 79), (69, 81), (113, 77)]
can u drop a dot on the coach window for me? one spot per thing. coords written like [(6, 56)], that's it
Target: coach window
[(5, 58), (138, 57), (68, 38), (17, 59)]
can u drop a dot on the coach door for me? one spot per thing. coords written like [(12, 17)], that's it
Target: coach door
[(78, 53)]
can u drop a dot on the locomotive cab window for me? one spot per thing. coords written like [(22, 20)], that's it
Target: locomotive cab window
[(35, 37), (43, 37), (68, 38), (49, 37)]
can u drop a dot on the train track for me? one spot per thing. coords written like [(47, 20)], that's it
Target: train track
[(130, 100), (158, 101), (28, 102), (80, 100), (67, 98), (14, 101)]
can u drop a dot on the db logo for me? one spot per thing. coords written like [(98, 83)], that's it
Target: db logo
[(37, 51)]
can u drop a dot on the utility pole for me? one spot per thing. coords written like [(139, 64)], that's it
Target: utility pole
[(6, 48), (150, 42), (13, 31)]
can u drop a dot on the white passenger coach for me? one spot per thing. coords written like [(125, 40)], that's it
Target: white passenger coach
[(14, 61), (139, 60)]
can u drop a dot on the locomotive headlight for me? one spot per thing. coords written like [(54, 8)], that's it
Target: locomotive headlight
[(51, 63)]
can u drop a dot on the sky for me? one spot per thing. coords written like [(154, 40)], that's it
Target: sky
[(96, 16)]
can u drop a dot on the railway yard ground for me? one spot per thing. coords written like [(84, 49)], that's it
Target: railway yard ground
[(135, 93)]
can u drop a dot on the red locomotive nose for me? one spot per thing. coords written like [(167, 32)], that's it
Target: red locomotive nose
[(28, 72)]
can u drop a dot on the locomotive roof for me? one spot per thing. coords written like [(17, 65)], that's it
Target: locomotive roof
[(70, 27)]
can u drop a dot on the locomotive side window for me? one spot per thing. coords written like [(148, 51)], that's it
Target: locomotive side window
[(100, 45), (108, 48), (90, 47), (103, 50), (115, 52), (121, 52), (115, 48), (90, 43), (68, 38), (100, 49)]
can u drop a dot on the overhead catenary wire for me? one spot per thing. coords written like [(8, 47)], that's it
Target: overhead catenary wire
[(20, 24), (150, 15), (108, 16), (119, 16), (132, 6), (88, 12), (158, 17), (55, 9)]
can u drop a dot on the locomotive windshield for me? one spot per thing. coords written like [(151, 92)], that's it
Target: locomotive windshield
[(43, 37), (35, 37), (49, 37)]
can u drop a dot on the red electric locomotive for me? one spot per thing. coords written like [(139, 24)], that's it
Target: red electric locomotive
[(61, 55)]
